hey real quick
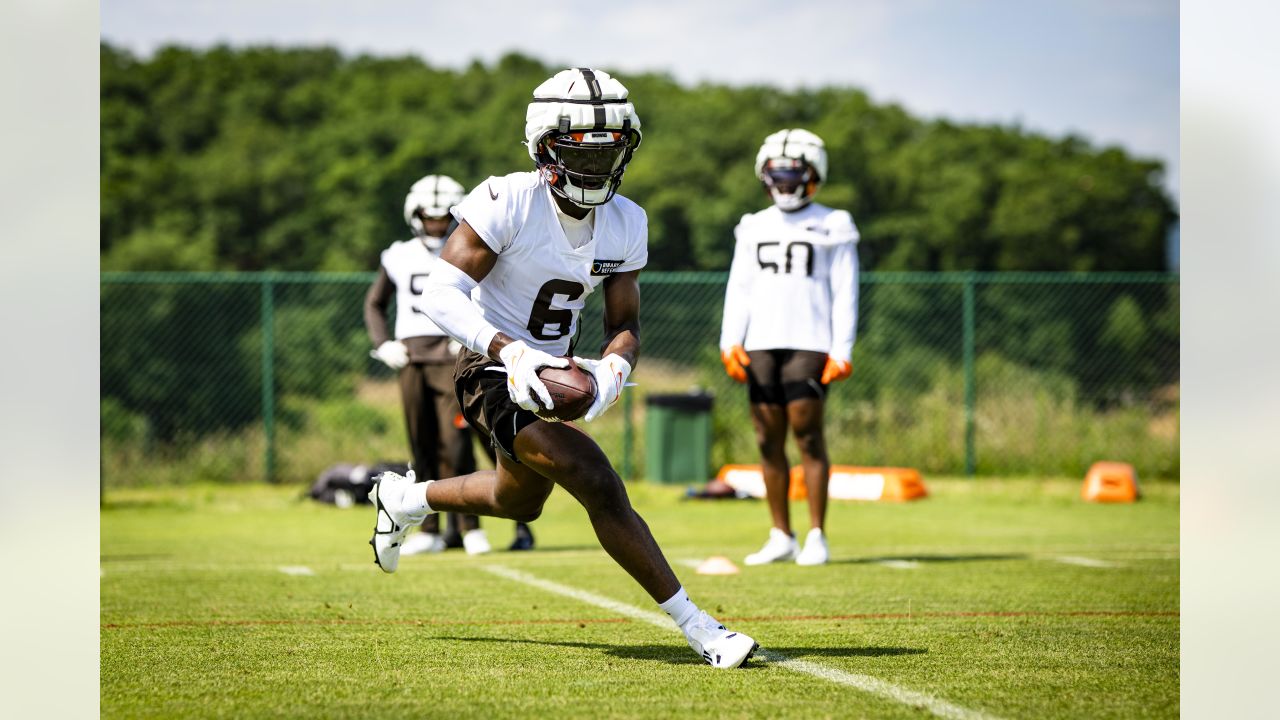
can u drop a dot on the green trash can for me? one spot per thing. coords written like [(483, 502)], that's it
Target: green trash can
[(677, 434)]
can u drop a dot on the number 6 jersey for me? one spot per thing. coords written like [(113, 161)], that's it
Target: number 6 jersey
[(793, 283), (540, 283)]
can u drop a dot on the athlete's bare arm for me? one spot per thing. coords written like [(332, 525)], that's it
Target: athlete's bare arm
[(466, 251), (622, 316)]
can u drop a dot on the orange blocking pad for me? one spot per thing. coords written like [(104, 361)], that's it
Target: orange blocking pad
[(847, 482), (743, 478), (1110, 482)]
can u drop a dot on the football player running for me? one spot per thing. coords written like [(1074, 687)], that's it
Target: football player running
[(511, 282), (790, 314)]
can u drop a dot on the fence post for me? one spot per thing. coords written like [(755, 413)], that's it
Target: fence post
[(269, 374), (970, 393), (627, 439)]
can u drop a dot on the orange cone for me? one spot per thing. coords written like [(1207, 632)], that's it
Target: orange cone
[(1110, 482)]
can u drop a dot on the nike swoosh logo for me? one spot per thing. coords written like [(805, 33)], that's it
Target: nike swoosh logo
[(492, 195)]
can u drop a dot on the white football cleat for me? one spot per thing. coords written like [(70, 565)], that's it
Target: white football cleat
[(718, 646), (475, 542), (815, 549), (393, 522), (423, 542), (779, 547)]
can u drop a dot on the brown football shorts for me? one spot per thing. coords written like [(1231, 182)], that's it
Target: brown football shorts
[(777, 377), (486, 404)]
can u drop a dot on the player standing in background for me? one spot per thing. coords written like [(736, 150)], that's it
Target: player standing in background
[(790, 314), (422, 354), (532, 246)]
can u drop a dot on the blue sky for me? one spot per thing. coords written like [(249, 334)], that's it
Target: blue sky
[(1103, 69)]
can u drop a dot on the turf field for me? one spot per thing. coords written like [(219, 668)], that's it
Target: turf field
[(989, 599)]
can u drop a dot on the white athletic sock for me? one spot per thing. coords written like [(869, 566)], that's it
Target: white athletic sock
[(680, 608), (415, 499)]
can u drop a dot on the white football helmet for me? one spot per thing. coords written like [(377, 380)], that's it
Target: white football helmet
[(792, 164), (581, 130), (433, 196)]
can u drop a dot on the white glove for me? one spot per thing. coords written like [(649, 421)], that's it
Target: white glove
[(522, 364), (611, 374), (393, 353)]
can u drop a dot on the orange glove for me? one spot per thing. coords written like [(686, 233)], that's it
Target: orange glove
[(735, 362), (835, 370)]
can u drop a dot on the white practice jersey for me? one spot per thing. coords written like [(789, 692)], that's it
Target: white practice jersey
[(408, 263), (794, 282), (540, 282)]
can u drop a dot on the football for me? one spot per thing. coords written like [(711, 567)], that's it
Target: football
[(572, 392)]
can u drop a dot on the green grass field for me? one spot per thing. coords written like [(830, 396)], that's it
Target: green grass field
[(989, 599)]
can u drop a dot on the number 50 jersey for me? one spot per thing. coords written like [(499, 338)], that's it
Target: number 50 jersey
[(793, 283), (540, 283)]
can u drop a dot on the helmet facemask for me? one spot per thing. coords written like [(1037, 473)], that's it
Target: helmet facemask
[(424, 224), (585, 167), (791, 183)]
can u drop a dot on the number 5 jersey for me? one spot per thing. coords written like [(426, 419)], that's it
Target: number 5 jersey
[(541, 280), (793, 283), (402, 274)]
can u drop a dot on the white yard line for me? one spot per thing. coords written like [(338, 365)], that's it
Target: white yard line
[(635, 613), (865, 683), (1083, 561), (296, 570), (876, 686)]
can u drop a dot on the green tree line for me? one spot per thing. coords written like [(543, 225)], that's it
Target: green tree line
[(299, 159)]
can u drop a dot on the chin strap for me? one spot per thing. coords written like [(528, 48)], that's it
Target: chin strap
[(788, 203), (568, 194)]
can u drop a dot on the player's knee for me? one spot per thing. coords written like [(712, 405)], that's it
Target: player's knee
[(602, 490), (604, 483), (770, 440), (811, 442)]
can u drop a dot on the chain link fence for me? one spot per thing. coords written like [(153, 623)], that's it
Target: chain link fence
[(241, 377)]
